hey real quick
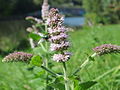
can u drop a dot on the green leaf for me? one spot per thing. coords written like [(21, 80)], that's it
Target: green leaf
[(37, 82), (86, 85), (91, 58), (38, 51), (36, 60), (34, 36), (59, 86), (76, 85), (58, 83)]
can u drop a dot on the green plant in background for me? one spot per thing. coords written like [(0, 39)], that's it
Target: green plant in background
[(49, 37), (102, 11)]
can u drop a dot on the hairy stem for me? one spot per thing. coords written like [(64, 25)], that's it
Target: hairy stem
[(44, 49), (84, 64), (31, 43), (46, 61), (65, 76)]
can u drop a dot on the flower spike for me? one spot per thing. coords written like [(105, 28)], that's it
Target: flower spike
[(17, 56), (106, 49)]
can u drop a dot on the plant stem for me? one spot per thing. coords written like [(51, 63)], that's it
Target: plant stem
[(46, 27), (46, 61), (48, 70), (46, 64), (43, 47), (31, 43), (65, 76), (84, 64)]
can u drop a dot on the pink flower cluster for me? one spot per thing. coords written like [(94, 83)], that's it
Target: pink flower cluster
[(18, 56), (106, 49), (61, 46), (61, 57), (54, 18), (58, 36)]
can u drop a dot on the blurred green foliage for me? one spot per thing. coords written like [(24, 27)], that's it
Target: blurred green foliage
[(13, 36), (105, 11)]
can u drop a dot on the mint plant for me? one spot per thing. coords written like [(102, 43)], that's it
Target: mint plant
[(49, 43)]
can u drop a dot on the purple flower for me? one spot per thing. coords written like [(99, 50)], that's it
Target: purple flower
[(57, 35), (58, 38), (58, 47), (18, 56), (61, 57), (57, 30), (106, 49), (54, 18)]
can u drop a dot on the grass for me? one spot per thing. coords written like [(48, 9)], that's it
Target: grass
[(15, 76), (83, 42)]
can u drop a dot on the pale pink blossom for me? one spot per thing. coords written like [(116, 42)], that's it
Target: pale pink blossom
[(57, 30), (61, 57), (58, 38), (62, 46)]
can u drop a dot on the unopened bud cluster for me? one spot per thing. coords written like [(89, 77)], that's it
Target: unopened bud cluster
[(58, 36), (17, 56), (106, 49), (34, 20), (45, 9)]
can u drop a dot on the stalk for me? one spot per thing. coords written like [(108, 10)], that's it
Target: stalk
[(31, 43), (48, 70), (46, 62), (44, 49), (84, 64), (45, 65), (65, 76)]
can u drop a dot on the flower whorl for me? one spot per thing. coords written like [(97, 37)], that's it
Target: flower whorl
[(58, 36), (17, 56), (106, 49)]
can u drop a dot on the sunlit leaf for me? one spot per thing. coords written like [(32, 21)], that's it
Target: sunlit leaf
[(36, 60), (58, 83), (34, 36)]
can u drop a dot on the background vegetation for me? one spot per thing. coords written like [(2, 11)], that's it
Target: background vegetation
[(102, 11), (104, 16), (17, 76)]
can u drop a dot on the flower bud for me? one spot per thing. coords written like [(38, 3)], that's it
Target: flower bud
[(45, 9), (106, 49), (17, 56)]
